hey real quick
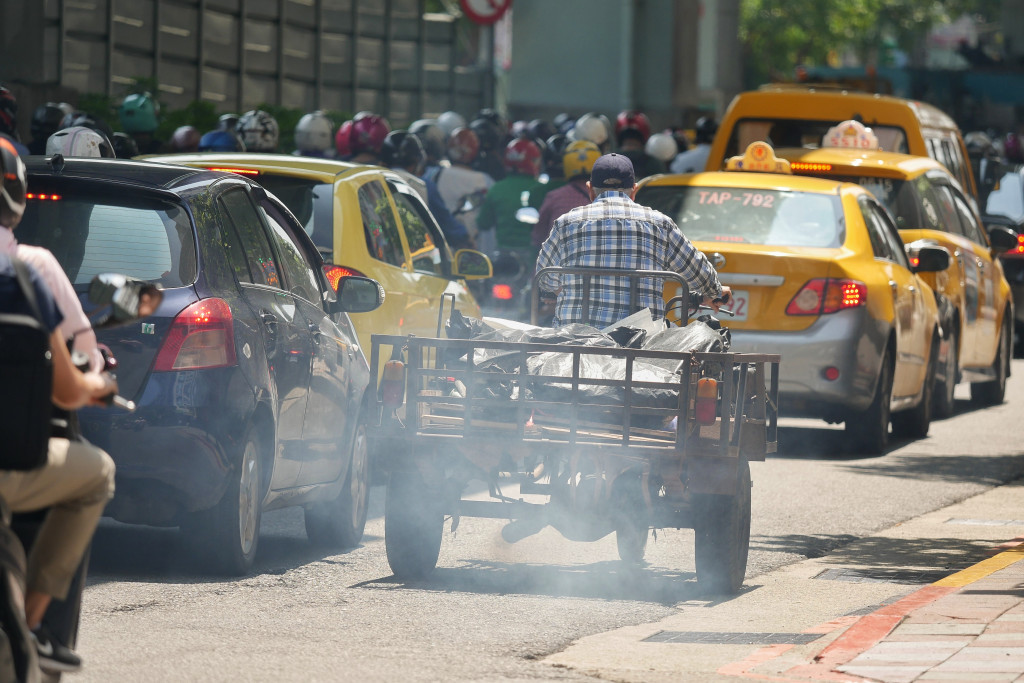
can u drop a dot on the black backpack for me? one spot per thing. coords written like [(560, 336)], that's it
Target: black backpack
[(26, 382)]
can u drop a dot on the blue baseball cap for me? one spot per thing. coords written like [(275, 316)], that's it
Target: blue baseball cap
[(613, 172)]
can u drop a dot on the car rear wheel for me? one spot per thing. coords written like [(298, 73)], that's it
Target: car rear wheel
[(914, 423), (944, 402), (869, 430), (413, 526), (339, 523), (993, 392), (722, 537), (230, 532)]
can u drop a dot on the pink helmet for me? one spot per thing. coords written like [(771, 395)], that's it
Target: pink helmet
[(368, 134), (463, 146), (342, 139), (636, 120)]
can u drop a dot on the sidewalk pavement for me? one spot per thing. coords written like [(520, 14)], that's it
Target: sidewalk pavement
[(788, 625)]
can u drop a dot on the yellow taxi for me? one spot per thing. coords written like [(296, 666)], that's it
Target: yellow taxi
[(976, 303), (820, 275), (367, 221)]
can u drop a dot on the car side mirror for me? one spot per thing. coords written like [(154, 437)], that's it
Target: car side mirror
[(1003, 239), (928, 258), (357, 294), (472, 265)]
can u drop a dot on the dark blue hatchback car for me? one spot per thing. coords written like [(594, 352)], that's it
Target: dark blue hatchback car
[(248, 379)]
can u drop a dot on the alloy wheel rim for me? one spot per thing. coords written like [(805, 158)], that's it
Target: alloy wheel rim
[(359, 486), (248, 499)]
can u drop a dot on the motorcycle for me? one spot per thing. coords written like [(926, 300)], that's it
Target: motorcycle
[(119, 300)]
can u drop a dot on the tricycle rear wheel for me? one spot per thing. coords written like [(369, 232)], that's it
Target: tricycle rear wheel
[(633, 525), (413, 526), (722, 537)]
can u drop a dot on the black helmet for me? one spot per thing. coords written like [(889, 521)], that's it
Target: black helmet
[(124, 145), (554, 150), (402, 149), (488, 133), (46, 120), (541, 129), (705, 129), (228, 122)]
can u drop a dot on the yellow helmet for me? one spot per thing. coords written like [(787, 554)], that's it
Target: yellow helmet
[(579, 158)]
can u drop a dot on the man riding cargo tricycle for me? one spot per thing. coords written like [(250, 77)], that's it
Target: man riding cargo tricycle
[(637, 426)]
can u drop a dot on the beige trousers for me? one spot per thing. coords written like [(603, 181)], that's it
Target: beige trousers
[(76, 483)]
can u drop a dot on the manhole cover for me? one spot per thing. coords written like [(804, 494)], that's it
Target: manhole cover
[(719, 638), (907, 576)]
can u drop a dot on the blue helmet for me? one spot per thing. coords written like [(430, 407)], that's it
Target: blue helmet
[(220, 141)]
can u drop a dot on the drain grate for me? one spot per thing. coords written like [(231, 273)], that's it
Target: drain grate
[(907, 576), (717, 638)]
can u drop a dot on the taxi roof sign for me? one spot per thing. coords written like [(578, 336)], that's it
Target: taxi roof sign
[(850, 135), (759, 158)]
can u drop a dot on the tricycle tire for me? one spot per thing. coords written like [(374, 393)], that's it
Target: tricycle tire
[(722, 537), (633, 526), (413, 525)]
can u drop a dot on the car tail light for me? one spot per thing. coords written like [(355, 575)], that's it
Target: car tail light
[(1019, 249), (335, 273), (201, 336), (503, 292), (42, 196), (705, 407), (239, 171), (828, 295), (392, 386)]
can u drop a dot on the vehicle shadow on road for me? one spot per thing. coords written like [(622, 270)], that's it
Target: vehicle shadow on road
[(612, 580), (990, 470)]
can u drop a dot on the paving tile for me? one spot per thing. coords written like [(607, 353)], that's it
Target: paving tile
[(939, 629), (889, 674), (963, 677), (1001, 625), (981, 660)]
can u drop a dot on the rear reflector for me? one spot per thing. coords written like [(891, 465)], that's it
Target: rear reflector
[(706, 405), (335, 273), (392, 386), (201, 336), (828, 295)]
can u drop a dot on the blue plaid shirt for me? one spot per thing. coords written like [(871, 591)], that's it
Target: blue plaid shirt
[(616, 232)]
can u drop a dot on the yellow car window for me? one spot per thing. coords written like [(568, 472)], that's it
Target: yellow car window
[(780, 132), (381, 230), (426, 257)]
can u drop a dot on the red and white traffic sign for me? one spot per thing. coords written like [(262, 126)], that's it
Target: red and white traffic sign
[(485, 11)]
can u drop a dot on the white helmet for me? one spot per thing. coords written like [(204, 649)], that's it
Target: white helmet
[(662, 147), (314, 133), (449, 121), (258, 130), (79, 141), (593, 127)]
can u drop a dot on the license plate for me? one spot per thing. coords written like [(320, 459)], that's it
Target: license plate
[(738, 305)]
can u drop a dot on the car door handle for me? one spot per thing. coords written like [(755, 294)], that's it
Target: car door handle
[(893, 286), (268, 318), (315, 331)]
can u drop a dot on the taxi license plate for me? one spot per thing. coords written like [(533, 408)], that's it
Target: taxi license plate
[(739, 306)]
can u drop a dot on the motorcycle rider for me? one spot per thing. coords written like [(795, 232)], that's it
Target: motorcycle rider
[(185, 139), (46, 120), (138, 114), (367, 137), (259, 131), (694, 160), (78, 479), (314, 136), (497, 221), (577, 161), (632, 129), (615, 232), (461, 186)]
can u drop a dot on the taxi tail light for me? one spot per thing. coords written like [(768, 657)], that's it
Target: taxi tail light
[(201, 336), (828, 295), (335, 273), (392, 386), (705, 407), (1019, 249)]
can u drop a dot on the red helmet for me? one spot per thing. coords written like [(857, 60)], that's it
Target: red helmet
[(368, 134), (342, 139), (463, 146), (523, 156), (636, 120)]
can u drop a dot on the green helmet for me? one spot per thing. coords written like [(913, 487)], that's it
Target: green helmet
[(138, 113)]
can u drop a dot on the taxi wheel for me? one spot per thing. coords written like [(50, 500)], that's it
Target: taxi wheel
[(340, 523), (914, 423), (944, 403), (869, 430), (991, 393)]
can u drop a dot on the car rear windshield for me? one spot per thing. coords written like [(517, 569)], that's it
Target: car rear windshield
[(95, 232), (802, 133), (310, 201), (780, 218), (1008, 197)]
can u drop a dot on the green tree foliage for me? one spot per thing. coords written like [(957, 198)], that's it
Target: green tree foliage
[(779, 35)]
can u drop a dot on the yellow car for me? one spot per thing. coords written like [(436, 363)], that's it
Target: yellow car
[(367, 221), (820, 275), (929, 205)]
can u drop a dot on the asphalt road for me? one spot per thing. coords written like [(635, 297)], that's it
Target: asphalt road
[(492, 611)]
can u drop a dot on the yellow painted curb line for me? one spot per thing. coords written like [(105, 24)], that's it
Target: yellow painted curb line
[(983, 568)]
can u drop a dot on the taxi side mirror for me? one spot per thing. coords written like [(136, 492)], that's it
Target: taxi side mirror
[(357, 295), (472, 265), (929, 259), (1003, 239)]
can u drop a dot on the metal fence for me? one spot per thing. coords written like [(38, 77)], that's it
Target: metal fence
[(388, 56)]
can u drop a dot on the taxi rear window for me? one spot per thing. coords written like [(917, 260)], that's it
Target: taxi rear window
[(781, 218), (97, 232), (802, 133), (311, 202)]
